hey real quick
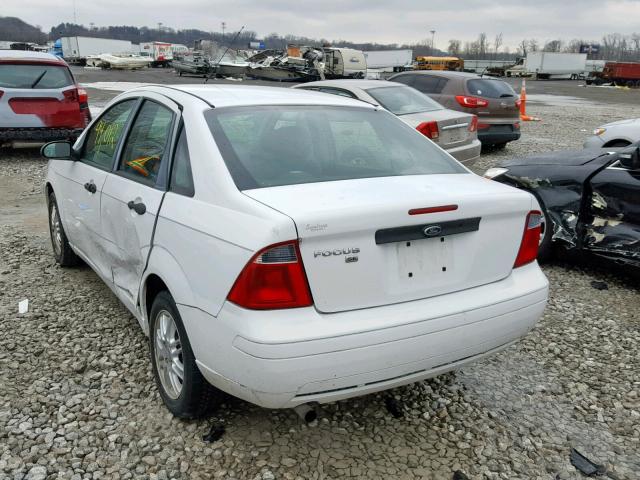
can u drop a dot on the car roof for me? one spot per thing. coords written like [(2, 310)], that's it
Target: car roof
[(351, 83), (441, 73), (243, 95), (29, 57)]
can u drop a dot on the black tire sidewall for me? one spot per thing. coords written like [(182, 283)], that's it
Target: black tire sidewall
[(194, 387), (67, 257)]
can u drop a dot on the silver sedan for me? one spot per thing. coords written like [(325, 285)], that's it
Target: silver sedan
[(455, 132)]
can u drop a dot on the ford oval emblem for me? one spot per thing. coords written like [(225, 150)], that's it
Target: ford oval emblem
[(432, 230)]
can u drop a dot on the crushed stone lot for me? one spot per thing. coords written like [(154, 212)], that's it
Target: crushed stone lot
[(78, 401)]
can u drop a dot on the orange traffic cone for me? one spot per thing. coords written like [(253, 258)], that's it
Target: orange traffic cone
[(523, 104)]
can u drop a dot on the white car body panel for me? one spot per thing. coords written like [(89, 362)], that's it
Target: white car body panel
[(392, 334), (333, 216), (622, 130)]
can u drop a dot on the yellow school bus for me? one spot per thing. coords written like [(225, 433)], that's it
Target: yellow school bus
[(439, 63)]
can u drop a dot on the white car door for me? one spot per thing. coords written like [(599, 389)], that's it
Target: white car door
[(133, 192), (79, 184)]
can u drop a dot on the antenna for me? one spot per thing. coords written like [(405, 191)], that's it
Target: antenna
[(75, 18)]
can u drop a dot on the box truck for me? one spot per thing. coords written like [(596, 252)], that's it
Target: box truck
[(75, 50), (160, 53)]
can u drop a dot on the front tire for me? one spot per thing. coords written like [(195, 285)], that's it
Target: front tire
[(545, 249), (62, 251), (182, 387)]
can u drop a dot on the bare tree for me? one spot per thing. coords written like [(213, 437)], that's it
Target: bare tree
[(523, 48), (497, 43), (533, 45), (454, 47), (553, 46)]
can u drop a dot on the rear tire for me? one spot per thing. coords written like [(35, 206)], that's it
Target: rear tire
[(62, 251), (183, 389)]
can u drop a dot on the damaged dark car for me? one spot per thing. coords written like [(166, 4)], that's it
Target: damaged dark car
[(590, 199)]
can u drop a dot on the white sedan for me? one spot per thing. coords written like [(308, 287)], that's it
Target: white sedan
[(615, 134), (291, 247)]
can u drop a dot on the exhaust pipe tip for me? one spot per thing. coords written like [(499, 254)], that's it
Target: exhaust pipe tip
[(306, 412)]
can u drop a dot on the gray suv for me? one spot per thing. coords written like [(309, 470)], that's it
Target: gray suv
[(494, 101)]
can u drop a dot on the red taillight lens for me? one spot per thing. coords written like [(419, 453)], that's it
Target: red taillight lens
[(1, 93), (83, 96), (483, 126), (273, 278), (429, 129), (70, 95), (471, 102), (518, 103), (516, 126), (530, 239), (473, 126)]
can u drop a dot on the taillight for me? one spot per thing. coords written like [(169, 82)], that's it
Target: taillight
[(1, 93), (273, 278), (471, 102), (483, 126), (530, 239), (518, 103), (473, 126), (516, 126), (429, 129), (71, 95), (83, 96)]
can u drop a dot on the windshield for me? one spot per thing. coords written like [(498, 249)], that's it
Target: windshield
[(484, 87), (269, 146), (403, 100), (34, 76)]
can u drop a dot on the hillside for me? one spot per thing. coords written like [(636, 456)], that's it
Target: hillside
[(12, 28)]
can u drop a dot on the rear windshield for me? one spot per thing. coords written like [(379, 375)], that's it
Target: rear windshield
[(34, 76), (270, 146), (403, 100), (484, 87)]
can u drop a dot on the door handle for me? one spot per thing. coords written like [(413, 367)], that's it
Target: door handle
[(138, 207), (90, 187)]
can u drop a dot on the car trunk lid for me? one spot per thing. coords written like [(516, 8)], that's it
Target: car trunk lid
[(453, 127), (362, 248)]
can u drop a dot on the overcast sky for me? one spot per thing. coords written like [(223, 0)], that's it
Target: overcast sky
[(392, 21)]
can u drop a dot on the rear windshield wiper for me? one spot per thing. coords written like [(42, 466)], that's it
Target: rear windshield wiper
[(33, 85)]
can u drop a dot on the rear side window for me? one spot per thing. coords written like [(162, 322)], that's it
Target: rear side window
[(181, 177), (288, 145), (403, 100), (484, 87), (404, 79), (147, 143), (34, 76), (429, 84)]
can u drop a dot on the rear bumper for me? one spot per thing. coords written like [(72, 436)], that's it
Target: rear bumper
[(279, 359), (467, 154), (498, 133), (38, 134)]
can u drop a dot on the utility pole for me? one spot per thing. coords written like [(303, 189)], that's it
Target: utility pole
[(160, 26), (75, 19), (433, 37), (224, 26)]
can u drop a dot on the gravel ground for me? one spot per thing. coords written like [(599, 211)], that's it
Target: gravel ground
[(77, 398)]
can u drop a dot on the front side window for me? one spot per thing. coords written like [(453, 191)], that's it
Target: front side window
[(403, 100), (147, 143), (285, 145), (102, 139), (34, 76)]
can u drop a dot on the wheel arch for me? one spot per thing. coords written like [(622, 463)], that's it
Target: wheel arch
[(163, 273), (610, 143)]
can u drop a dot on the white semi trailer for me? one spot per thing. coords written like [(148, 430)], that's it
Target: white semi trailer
[(77, 49), (550, 65)]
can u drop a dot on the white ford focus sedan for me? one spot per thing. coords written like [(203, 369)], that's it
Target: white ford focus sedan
[(291, 247)]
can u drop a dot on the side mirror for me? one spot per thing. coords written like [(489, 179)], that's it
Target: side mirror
[(630, 160), (60, 150)]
